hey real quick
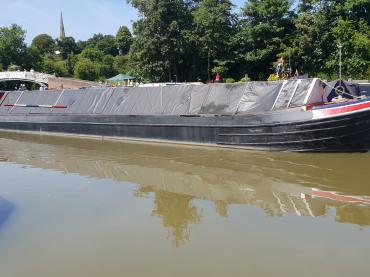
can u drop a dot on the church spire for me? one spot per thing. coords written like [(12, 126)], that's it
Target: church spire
[(62, 32)]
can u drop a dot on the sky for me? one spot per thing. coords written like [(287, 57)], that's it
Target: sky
[(82, 18)]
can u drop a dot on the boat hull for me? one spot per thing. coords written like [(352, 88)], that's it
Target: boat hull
[(275, 131)]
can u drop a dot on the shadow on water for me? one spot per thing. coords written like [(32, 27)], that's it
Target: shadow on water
[(6, 208), (279, 183)]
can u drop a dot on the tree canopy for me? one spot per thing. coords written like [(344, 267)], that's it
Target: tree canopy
[(123, 40), (12, 46), (44, 44), (213, 27), (159, 41), (188, 40)]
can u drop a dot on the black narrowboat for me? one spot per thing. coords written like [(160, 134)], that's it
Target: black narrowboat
[(291, 115)]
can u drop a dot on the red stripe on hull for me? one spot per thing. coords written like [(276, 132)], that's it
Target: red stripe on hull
[(317, 114), (59, 107), (340, 198), (35, 106)]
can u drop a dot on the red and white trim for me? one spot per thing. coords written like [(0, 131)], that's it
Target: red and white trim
[(35, 106), (340, 109), (331, 195)]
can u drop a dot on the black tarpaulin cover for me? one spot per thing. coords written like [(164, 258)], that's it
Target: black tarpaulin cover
[(9, 98), (223, 99)]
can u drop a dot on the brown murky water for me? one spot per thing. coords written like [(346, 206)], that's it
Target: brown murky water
[(81, 207)]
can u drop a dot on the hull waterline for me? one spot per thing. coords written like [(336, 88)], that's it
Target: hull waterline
[(260, 116)]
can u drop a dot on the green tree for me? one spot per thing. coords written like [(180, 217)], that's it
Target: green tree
[(71, 61), (124, 40), (313, 40), (320, 25), (82, 44), (264, 32), (214, 24), (12, 46), (104, 43), (67, 46), (107, 69), (92, 54), (158, 50), (103, 64), (32, 59), (122, 63), (355, 38), (54, 65), (86, 70), (125, 65), (44, 44)]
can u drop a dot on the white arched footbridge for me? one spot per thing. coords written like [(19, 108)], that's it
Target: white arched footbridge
[(25, 76)]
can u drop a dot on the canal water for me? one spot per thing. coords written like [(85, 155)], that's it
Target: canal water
[(82, 207)]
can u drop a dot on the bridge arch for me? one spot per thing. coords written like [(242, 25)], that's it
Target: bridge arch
[(25, 76)]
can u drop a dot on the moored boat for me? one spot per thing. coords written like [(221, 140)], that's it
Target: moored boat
[(291, 115)]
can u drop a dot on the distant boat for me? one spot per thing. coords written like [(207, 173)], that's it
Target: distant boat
[(291, 115)]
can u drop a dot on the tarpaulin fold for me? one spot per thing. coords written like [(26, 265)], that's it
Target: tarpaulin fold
[(223, 99)]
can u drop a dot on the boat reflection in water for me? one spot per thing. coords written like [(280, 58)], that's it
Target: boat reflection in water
[(279, 183)]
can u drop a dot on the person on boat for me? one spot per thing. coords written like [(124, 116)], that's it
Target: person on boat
[(280, 70), (217, 80)]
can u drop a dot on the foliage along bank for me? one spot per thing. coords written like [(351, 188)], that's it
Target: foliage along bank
[(191, 40)]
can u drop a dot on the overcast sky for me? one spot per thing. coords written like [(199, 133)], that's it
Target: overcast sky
[(82, 18)]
